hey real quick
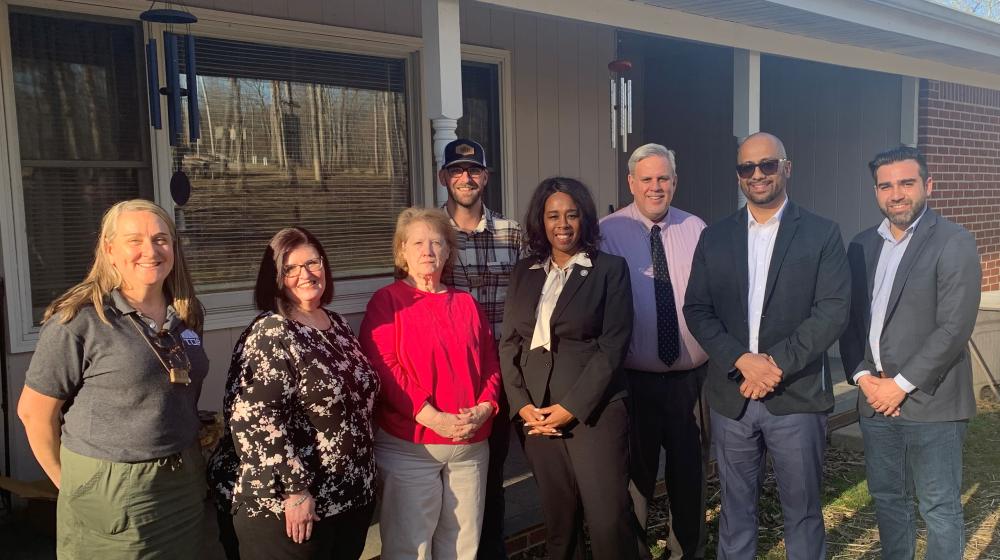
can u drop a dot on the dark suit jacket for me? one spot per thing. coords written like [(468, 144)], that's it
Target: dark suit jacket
[(932, 310), (805, 309), (591, 327)]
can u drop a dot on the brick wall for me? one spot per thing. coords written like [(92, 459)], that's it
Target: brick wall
[(959, 132)]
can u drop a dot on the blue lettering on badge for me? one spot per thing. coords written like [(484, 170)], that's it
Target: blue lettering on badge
[(191, 338)]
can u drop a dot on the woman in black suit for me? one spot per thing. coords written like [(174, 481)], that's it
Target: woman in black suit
[(566, 329)]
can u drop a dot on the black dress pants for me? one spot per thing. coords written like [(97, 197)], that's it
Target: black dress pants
[(338, 537), (663, 416), (584, 476)]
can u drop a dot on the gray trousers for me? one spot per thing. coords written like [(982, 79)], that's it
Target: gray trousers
[(795, 443), (432, 498)]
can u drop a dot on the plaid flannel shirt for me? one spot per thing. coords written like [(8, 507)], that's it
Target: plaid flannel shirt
[(484, 261)]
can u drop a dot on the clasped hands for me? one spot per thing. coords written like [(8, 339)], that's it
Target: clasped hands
[(761, 375), (545, 421), (456, 427), (883, 394)]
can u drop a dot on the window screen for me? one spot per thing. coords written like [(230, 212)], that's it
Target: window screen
[(79, 96), (289, 137)]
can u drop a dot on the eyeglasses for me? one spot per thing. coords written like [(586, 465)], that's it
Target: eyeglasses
[(767, 167), (457, 171), (293, 270)]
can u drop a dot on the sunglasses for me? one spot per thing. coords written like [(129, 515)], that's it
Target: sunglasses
[(171, 352), (767, 167)]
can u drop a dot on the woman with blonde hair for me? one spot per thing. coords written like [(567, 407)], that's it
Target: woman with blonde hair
[(110, 399), (433, 348)]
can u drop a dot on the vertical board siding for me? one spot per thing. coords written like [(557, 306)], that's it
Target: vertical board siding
[(568, 84), (305, 10), (685, 104), (526, 113), (560, 107), (832, 120), (590, 129)]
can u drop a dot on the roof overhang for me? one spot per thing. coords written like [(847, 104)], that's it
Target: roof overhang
[(909, 37)]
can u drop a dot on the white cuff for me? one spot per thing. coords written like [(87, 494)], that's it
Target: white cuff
[(861, 374), (903, 383)]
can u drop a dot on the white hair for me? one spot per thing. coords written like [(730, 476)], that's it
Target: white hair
[(651, 150)]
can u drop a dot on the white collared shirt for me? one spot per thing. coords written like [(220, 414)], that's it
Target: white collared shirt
[(555, 280), (760, 247)]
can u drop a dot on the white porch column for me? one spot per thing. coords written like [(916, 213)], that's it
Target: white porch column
[(746, 98), (442, 79), (908, 111)]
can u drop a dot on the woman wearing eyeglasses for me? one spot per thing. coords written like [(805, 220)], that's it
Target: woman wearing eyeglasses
[(296, 465), (433, 348), (119, 364)]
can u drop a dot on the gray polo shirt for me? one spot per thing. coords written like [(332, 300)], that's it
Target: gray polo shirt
[(120, 404)]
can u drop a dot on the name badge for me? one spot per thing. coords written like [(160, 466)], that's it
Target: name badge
[(190, 338)]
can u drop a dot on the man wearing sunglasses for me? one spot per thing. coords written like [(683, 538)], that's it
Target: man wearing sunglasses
[(915, 296), (769, 292), (488, 247)]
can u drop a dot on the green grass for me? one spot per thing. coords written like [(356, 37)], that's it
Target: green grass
[(848, 509), (850, 514)]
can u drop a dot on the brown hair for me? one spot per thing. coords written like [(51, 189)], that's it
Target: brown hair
[(433, 217), (269, 291)]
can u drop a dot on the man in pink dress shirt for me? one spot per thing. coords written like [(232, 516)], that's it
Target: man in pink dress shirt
[(665, 365)]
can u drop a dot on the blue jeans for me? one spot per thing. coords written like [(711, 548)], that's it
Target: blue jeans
[(903, 457)]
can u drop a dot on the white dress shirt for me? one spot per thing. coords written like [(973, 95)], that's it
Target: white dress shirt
[(760, 247), (885, 274), (555, 280)]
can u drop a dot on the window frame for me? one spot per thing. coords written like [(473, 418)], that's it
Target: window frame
[(227, 309)]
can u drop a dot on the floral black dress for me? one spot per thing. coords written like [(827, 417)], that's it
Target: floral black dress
[(299, 415)]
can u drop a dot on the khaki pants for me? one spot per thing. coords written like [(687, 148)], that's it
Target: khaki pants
[(152, 509), (432, 498)]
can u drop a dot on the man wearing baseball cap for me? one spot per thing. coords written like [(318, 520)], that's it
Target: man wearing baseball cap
[(488, 247)]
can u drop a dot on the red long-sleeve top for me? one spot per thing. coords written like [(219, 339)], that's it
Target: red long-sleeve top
[(429, 348)]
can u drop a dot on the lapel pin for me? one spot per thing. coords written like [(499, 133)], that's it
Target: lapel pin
[(584, 272)]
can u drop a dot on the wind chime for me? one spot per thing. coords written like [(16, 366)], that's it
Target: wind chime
[(180, 185), (621, 103)]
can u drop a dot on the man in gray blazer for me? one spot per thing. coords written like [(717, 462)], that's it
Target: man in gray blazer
[(915, 283)]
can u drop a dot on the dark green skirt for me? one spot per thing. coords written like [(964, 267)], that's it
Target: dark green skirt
[(152, 509)]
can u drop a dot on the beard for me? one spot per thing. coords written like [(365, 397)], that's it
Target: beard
[(465, 199), (763, 198), (903, 220)]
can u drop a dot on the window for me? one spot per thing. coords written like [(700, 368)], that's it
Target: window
[(481, 121), (79, 95), (292, 136)]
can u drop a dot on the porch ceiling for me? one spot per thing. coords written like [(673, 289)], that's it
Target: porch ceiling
[(915, 28)]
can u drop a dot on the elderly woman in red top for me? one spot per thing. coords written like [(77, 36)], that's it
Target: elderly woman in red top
[(434, 351)]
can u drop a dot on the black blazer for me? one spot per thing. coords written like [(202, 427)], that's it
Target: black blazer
[(932, 311), (591, 327), (806, 305)]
